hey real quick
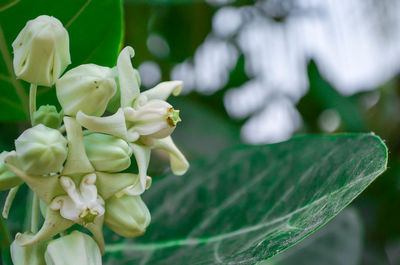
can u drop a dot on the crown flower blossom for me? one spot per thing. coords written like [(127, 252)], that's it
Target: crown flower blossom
[(78, 161), (41, 51)]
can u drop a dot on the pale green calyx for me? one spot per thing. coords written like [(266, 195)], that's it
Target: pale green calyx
[(81, 206), (87, 88), (73, 249), (48, 116), (41, 150), (127, 216), (107, 153), (41, 51)]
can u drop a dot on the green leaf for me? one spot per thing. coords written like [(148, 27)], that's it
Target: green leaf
[(95, 37), (339, 242), (248, 204)]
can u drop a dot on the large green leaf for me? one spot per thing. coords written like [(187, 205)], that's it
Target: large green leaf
[(250, 203), (95, 37), (339, 242)]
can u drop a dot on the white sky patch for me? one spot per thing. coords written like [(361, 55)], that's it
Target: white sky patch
[(213, 62), (241, 102), (157, 46), (275, 123), (356, 45), (185, 72), (227, 21), (150, 73)]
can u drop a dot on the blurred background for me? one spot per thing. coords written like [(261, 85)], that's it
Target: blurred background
[(259, 72)]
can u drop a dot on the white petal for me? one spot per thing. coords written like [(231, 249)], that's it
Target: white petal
[(114, 124), (129, 87), (179, 164), (142, 156), (164, 90), (77, 160)]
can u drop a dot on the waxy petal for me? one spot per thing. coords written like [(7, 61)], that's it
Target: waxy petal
[(45, 187), (164, 90), (54, 223), (114, 124), (179, 164), (96, 229), (77, 160), (128, 83), (109, 184), (142, 156)]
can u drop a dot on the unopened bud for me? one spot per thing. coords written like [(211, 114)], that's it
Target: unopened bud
[(41, 51), (41, 150), (48, 116), (88, 88), (127, 216), (75, 248), (107, 153)]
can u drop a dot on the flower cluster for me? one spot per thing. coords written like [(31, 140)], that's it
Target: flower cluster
[(75, 160)]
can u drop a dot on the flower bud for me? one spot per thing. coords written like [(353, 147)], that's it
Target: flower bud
[(155, 118), (32, 255), (107, 153), (48, 116), (88, 88), (127, 216), (41, 51), (41, 150), (7, 178), (75, 248)]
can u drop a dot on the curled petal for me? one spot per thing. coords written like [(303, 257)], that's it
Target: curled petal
[(179, 164), (54, 223), (77, 160), (142, 156), (164, 90), (96, 228), (45, 187), (114, 124), (82, 206), (128, 82), (109, 184)]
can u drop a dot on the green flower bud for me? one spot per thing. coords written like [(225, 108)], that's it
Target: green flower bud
[(7, 178), (107, 153), (41, 150), (48, 116), (73, 249), (88, 88), (41, 51), (32, 255), (127, 216)]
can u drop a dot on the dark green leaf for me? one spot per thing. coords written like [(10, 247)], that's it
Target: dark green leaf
[(339, 242), (250, 203), (95, 37)]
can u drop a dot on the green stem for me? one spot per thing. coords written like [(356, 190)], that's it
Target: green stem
[(35, 214), (9, 200), (5, 236), (32, 101)]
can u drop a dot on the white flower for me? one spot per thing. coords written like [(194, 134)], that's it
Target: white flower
[(81, 206)]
